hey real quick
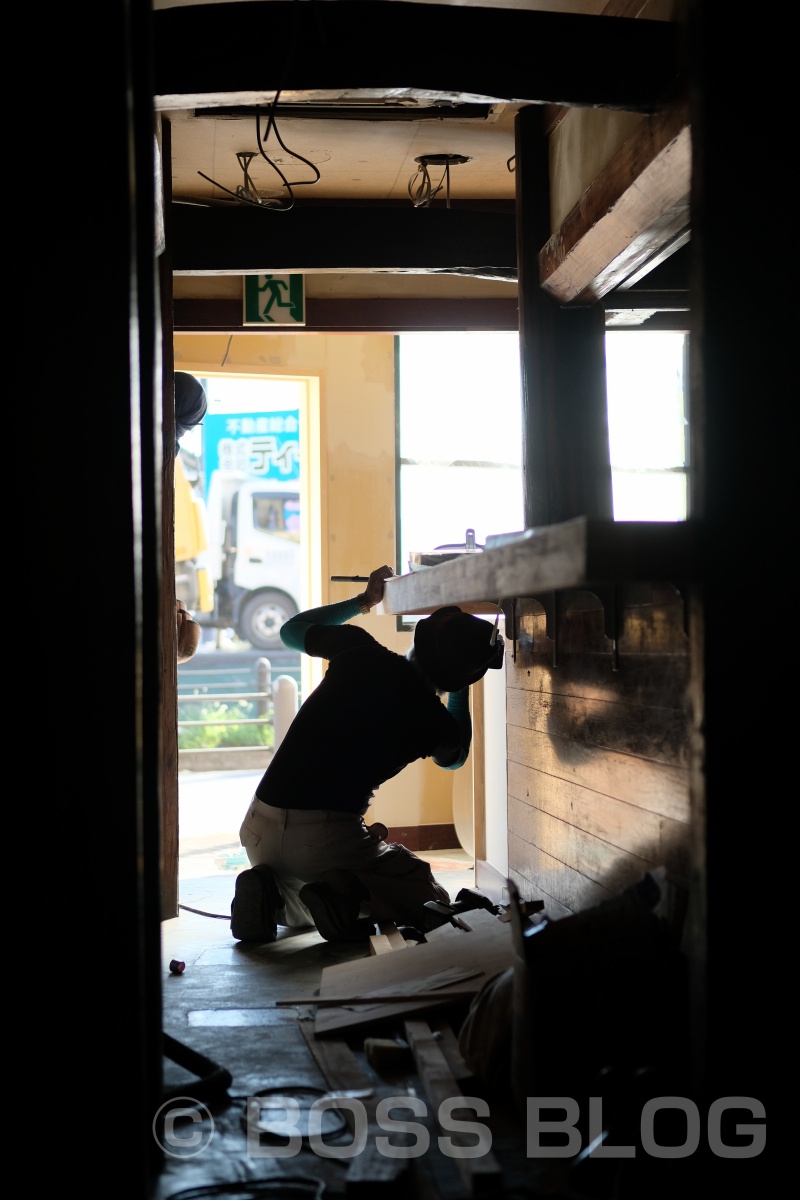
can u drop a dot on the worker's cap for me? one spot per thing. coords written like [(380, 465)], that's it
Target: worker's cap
[(455, 649)]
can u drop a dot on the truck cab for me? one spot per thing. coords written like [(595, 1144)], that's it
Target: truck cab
[(254, 555)]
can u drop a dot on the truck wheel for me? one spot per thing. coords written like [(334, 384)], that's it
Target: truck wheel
[(261, 617)]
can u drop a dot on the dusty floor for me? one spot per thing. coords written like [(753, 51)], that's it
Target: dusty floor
[(254, 1115), (224, 1005)]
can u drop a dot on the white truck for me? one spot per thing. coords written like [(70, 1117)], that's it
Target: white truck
[(254, 556)]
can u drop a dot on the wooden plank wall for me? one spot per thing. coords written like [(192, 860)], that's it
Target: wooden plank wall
[(598, 765)]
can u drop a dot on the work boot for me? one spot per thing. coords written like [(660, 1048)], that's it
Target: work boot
[(336, 916), (255, 906)]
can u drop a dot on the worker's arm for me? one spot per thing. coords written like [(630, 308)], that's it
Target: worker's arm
[(293, 633), (452, 758)]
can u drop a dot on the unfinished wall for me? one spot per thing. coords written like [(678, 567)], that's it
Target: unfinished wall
[(598, 774)]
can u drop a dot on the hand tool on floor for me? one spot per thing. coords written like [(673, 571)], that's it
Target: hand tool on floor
[(467, 898), (470, 898)]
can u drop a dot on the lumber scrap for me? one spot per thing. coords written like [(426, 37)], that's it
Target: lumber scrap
[(454, 966), (368, 1000), (448, 1044), (343, 1072), (389, 930), (387, 939), (477, 1165)]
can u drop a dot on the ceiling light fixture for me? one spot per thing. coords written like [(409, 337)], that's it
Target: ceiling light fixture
[(424, 192), (247, 189)]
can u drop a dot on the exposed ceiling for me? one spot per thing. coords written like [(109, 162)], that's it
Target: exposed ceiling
[(357, 144), (236, 83), (348, 144), (217, 154)]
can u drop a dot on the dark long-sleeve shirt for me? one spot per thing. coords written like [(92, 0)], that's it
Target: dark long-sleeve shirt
[(371, 715)]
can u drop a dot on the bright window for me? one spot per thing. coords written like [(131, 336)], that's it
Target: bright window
[(647, 425), (459, 436)]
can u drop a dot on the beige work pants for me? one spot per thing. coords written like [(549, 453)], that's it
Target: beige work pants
[(304, 845)]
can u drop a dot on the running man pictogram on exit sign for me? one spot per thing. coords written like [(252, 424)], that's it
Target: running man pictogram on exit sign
[(274, 300)]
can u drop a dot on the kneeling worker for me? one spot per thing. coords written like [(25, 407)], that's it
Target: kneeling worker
[(315, 860)]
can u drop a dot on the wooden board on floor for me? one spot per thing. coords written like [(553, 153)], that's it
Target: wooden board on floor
[(395, 938), (480, 1173), (390, 938), (475, 918), (369, 1169), (447, 1042), (486, 951)]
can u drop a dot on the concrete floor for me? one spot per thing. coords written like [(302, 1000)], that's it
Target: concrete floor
[(202, 929), (222, 1005), (240, 1122)]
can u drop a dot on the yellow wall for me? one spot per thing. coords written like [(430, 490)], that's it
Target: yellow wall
[(356, 496)]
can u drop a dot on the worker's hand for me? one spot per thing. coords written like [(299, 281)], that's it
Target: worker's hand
[(188, 632), (373, 592)]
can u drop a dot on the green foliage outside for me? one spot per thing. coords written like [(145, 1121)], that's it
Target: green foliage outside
[(211, 737)]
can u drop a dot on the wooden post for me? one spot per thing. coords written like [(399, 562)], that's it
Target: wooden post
[(566, 466)]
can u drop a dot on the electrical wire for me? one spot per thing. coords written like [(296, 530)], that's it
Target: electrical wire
[(246, 193), (272, 127), (200, 913), (251, 1189), (337, 1115), (425, 192), (241, 199)]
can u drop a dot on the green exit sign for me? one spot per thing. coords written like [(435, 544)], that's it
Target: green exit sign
[(274, 300)]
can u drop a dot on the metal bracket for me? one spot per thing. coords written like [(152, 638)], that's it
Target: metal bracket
[(549, 603), (509, 608), (608, 595), (683, 591)]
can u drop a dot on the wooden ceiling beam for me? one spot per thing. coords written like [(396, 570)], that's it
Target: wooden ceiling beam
[(358, 315), (637, 208), (245, 239), (228, 54), (614, 8)]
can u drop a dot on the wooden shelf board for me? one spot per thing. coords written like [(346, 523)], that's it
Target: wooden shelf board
[(573, 554)]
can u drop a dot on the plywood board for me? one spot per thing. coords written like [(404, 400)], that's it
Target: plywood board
[(463, 962)]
